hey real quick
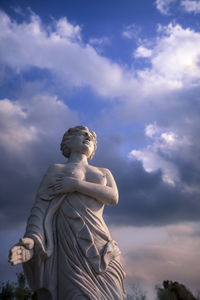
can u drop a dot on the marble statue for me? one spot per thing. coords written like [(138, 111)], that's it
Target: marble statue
[(67, 251)]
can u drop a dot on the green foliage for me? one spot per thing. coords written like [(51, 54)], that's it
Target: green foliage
[(16, 291), (173, 291), (170, 291), (7, 290)]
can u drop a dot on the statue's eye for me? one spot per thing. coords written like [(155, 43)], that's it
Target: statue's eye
[(87, 135), (84, 133)]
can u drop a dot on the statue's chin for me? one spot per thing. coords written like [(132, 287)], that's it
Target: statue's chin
[(86, 149)]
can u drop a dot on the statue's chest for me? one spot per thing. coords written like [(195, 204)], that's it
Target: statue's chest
[(95, 176), (74, 172), (88, 174)]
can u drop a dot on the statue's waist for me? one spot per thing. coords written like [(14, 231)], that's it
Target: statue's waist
[(83, 203)]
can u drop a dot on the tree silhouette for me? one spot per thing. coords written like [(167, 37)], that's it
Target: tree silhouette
[(174, 291), (16, 291)]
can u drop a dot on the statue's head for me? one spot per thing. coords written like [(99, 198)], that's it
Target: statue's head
[(71, 134)]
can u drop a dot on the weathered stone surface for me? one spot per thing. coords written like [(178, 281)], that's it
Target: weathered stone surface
[(67, 251)]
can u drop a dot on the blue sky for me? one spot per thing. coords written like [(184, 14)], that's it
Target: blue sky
[(131, 72)]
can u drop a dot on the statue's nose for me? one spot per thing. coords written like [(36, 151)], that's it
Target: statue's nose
[(88, 137)]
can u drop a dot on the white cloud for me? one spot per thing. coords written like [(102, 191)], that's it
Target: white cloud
[(99, 41), (141, 51), (160, 154), (131, 31), (191, 6), (50, 114), (174, 60), (152, 129), (152, 161), (26, 122), (176, 54), (164, 6), (67, 30), (14, 133), (173, 150), (174, 65), (60, 51)]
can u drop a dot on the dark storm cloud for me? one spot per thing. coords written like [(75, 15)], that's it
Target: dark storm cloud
[(144, 198), (21, 177), (30, 137), (19, 183)]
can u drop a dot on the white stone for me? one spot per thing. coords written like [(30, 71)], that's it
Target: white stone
[(67, 251)]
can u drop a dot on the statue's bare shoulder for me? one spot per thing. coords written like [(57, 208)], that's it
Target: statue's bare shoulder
[(56, 167), (51, 172), (106, 172), (109, 177)]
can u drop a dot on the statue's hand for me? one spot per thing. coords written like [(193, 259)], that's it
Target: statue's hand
[(21, 252), (64, 185)]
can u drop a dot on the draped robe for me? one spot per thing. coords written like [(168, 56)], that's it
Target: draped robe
[(74, 254)]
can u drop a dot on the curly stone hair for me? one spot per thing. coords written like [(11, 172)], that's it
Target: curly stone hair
[(64, 146)]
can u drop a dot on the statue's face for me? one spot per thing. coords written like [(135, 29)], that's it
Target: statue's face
[(82, 142)]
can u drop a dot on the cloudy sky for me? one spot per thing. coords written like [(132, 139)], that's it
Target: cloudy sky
[(130, 70)]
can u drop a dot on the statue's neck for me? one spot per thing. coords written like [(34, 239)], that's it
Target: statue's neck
[(79, 158)]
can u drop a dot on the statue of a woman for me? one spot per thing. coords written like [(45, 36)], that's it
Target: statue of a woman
[(67, 251)]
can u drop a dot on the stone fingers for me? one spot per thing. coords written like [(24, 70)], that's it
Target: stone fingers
[(16, 260), (15, 255), (26, 242)]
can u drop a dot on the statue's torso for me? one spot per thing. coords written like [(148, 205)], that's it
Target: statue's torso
[(88, 172)]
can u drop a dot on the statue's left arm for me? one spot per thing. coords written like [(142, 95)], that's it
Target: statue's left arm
[(106, 194)]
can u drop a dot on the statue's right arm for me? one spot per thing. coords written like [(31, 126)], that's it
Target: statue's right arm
[(34, 237), (21, 252)]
